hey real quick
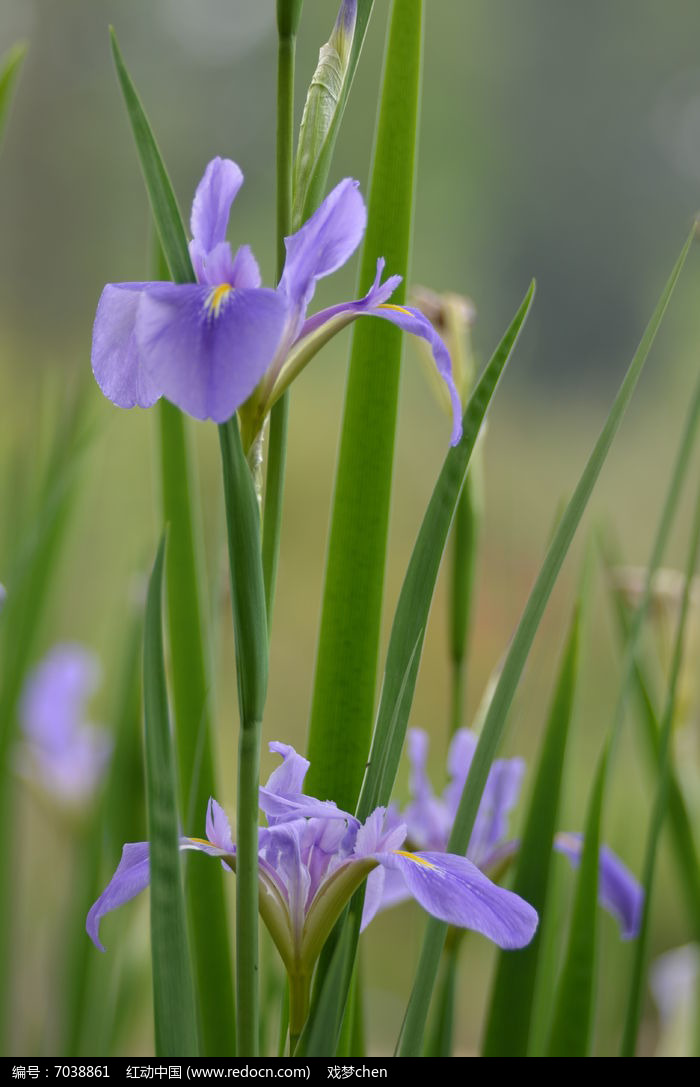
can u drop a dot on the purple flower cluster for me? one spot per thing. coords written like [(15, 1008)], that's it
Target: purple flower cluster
[(313, 856), (429, 819), (212, 345)]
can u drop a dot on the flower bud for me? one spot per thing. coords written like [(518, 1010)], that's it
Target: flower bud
[(452, 316), (323, 99)]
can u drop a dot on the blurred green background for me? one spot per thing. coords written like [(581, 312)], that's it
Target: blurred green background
[(558, 141)]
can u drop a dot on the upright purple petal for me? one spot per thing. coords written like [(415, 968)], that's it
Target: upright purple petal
[(454, 890), (324, 243), (381, 832), (245, 271), (116, 360), (618, 891), (131, 877), (207, 348), (212, 202), (288, 778), (385, 887), (499, 798), (218, 827)]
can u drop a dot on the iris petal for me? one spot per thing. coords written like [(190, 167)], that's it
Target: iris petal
[(324, 243), (454, 890), (207, 355), (212, 202), (618, 891), (116, 360)]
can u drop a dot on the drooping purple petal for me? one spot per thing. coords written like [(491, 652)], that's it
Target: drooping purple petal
[(454, 890), (131, 877), (375, 304), (212, 203), (618, 891), (412, 320), (116, 360), (207, 348), (324, 243)]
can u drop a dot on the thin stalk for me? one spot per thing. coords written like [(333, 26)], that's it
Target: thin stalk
[(247, 888), (279, 416), (250, 630)]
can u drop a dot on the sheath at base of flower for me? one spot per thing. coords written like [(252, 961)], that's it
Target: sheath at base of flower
[(429, 818), (312, 857), (225, 343)]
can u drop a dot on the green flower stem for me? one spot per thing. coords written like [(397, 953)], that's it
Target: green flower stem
[(299, 990), (279, 416), (250, 629)]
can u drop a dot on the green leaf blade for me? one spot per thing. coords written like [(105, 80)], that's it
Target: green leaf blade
[(173, 991), (494, 726), (573, 1011), (508, 1021), (346, 667), (166, 212)]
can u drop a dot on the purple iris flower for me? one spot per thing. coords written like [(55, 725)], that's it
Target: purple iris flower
[(429, 820), (313, 856), (62, 751), (209, 346)]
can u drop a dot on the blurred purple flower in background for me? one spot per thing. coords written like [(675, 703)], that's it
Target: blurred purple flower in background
[(62, 752), (429, 820), (313, 856), (208, 346), (3, 596)]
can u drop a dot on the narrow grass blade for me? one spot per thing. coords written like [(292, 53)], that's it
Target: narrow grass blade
[(174, 1010), (639, 969), (465, 541), (346, 666), (410, 620), (508, 1021), (573, 1006), (194, 728), (250, 629), (9, 71), (441, 1035), (166, 213), (494, 725)]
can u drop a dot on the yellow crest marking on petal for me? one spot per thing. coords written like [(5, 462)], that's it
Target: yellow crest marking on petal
[(203, 841), (216, 297), (406, 313), (414, 857)]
